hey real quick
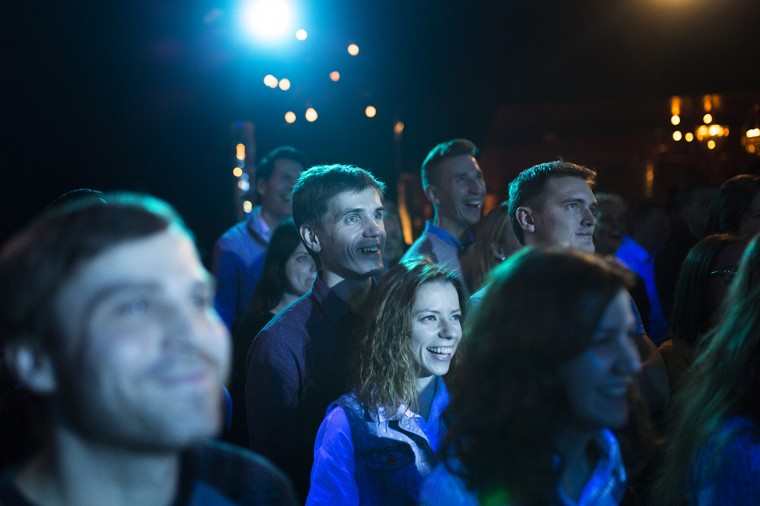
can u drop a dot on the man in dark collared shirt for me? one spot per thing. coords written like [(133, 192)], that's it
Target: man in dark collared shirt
[(298, 363)]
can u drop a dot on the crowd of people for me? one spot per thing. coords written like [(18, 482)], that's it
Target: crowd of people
[(564, 349)]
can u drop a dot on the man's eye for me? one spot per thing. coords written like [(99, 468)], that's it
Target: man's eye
[(133, 307), (352, 218)]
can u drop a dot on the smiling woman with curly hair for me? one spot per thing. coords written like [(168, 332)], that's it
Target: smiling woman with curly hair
[(378, 442)]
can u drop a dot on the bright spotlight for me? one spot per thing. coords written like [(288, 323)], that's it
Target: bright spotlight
[(370, 111), (353, 49), (311, 115), (267, 19), (301, 34), (284, 84), (290, 117)]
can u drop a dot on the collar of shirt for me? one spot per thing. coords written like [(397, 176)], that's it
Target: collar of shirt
[(448, 238), (334, 307), (258, 227)]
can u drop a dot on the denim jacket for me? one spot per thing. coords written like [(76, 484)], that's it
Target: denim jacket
[(391, 455)]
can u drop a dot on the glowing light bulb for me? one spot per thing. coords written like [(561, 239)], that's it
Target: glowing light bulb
[(290, 117), (675, 119), (677, 135), (284, 84), (247, 206), (335, 76), (707, 118), (688, 137), (398, 127), (711, 144), (370, 111), (311, 115), (353, 49), (237, 172), (270, 80)]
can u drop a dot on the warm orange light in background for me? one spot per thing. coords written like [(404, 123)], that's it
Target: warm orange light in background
[(290, 117), (398, 128), (753, 132), (675, 119), (707, 118), (284, 84), (240, 151), (335, 76), (270, 80), (237, 172), (370, 111), (311, 115), (649, 186), (677, 135), (711, 144), (688, 137), (675, 106), (353, 49), (301, 34), (247, 206)]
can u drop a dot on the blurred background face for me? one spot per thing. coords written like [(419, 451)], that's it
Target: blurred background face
[(275, 191), (394, 240), (724, 266), (610, 227), (300, 271), (145, 353), (597, 380)]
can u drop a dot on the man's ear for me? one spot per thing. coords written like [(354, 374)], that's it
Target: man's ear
[(431, 192), (31, 367), (525, 219), (310, 238)]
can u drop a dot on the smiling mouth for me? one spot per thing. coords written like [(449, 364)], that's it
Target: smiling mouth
[(441, 352), (477, 204), (370, 249)]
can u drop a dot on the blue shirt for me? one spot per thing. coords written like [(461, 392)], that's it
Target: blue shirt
[(636, 258), (333, 476), (237, 263), (442, 247), (727, 467), (605, 487)]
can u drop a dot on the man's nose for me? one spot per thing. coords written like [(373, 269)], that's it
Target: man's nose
[(373, 228), (588, 218)]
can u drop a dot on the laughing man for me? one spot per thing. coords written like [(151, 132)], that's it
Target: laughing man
[(298, 364), (453, 183)]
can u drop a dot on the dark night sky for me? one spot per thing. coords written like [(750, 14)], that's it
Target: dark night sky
[(140, 94)]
